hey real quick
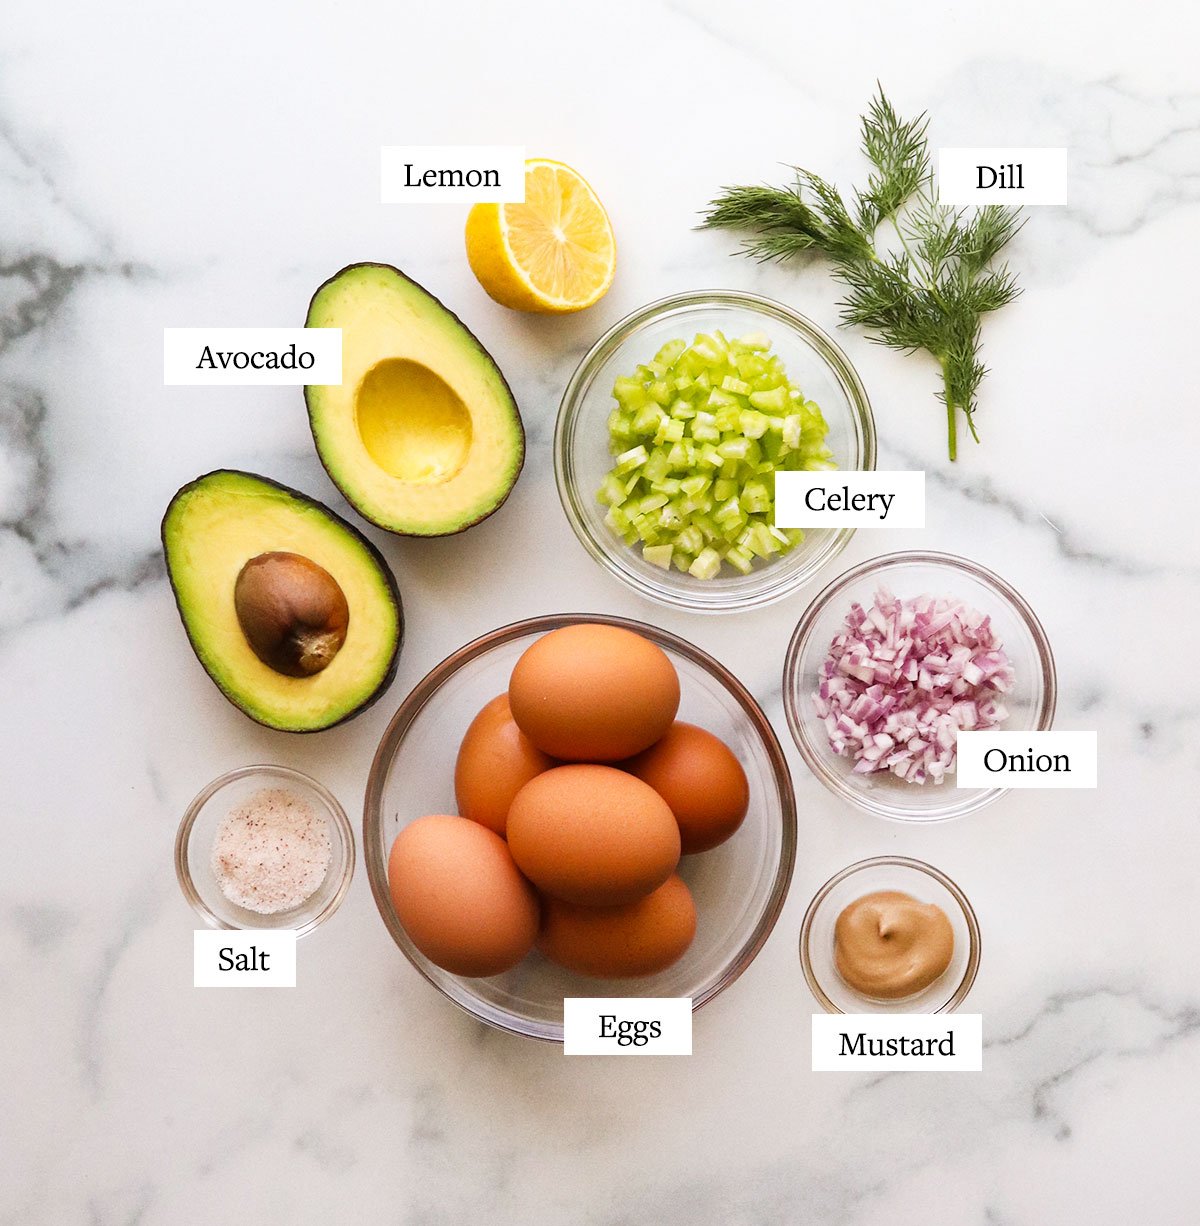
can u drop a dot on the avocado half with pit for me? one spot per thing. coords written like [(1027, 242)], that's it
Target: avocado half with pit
[(293, 612), (423, 435)]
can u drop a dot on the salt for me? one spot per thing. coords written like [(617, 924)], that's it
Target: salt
[(272, 852)]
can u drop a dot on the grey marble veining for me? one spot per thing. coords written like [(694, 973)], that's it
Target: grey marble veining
[(156, 170)]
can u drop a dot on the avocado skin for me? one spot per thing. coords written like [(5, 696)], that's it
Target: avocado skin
[(389, 578), (520, 424)]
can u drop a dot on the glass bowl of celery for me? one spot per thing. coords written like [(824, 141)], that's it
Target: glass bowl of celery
[(670, 433)]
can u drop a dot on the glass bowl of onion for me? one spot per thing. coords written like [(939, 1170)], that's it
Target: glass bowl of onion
[(738, 887), (669, 434), (892, 659)]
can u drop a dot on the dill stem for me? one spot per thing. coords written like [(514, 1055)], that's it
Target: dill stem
[(929, 283), (951, 415)]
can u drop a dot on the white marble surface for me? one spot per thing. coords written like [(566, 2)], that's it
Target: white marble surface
[(175, 165)]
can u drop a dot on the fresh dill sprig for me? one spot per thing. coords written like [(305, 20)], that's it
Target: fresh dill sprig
[(928, 291)]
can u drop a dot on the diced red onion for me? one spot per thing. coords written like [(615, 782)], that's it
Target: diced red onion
[(904, 678)]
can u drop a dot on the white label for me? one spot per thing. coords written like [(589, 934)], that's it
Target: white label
[(1027, 759), (1016, 176), (245, 958), (850, 500), (627, 1026), (897, 1042), (466, 174), (251, 357)]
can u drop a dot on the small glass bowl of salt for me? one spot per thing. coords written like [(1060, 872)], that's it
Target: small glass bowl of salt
[(265, 847)]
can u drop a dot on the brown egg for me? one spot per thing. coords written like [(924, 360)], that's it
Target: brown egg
[(459, 896), (592, 835), (640, 938), (698, 776), (592, 693), (495, 761)]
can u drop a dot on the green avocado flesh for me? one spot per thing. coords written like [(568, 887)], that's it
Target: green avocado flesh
[(212, 528), (422, 436)]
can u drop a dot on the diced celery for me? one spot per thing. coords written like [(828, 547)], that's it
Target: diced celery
[(617, 519), (697, 435), (774, 401), (754, 425), (730, 513), (612, 491), (728, 418), (739, 559), (706, 565), (670, 430), (646, 422), (656, 467), (718, 399), (756, 499), (658, 555), (759, 540), (635, 457), (629, 392), (690, 539)]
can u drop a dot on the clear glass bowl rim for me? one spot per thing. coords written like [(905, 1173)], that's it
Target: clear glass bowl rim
[(816, 760), (974, 952), (183, 836), (584, 375), (411, 707)]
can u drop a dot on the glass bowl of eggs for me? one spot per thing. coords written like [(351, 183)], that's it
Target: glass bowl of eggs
[(578, 805)]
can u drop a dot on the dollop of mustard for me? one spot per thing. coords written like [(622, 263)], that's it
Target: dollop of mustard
[(888, 945)]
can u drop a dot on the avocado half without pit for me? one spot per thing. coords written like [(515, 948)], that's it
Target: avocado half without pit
[(422, 436), (293, 612)]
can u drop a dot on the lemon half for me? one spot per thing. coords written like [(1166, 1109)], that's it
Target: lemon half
[(553, 253)]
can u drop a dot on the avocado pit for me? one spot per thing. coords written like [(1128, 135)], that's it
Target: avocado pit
[(412, 422), (293, 612)]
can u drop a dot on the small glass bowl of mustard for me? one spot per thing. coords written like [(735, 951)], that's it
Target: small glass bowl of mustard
[(918, 880)]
